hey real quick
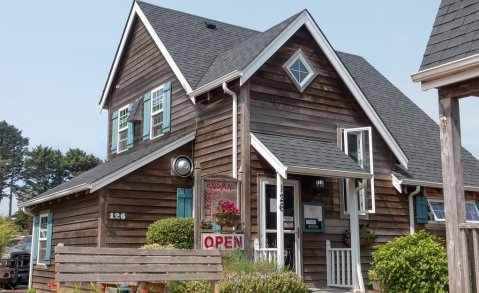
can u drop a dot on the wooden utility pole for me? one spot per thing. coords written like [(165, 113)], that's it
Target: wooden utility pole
[(453, 187)]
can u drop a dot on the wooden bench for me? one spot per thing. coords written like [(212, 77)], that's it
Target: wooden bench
[(126, 265)]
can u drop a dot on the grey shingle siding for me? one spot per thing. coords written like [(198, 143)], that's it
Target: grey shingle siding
[(455, 33)]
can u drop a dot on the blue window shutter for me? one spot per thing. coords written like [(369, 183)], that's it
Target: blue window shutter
[(130, 132), (146, 116), (184, 202), (188, 202), (166, 107), (48, 254), (36, 231), (180, 203), (477, 204), (422, 210), (114, 132)]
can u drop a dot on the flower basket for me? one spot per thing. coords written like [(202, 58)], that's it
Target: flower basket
[(366, 237), (363, 242), (227, 215)]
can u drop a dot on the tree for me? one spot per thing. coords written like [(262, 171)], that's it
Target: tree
[(13, 147), (23, 221), (76, 161), (43, 170), (46, 168)]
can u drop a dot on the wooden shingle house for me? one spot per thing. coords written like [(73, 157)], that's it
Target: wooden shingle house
[(316, 141)]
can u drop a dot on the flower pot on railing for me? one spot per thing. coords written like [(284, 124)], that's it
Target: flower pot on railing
[(366, 237)]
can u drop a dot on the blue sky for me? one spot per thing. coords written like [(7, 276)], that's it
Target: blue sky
[(55, 56)]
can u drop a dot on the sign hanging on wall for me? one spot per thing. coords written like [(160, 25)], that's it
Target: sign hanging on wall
[(222, 241), (313, 217), (215, 190)]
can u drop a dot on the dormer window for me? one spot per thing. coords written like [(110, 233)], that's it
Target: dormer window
[(157, 112), (299, 70), (123, 128)]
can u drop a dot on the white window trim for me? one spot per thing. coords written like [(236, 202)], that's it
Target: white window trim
[(157, 112), (344, 145), (312, 71), (121, 129), (436, 220), (41, 239)]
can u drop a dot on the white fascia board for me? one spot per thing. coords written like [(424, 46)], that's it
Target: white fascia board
[(396, 183), (65, 192), (268, 156), (326, 172), (274, 46), (434, 184), (142, 162), (136, 11), (448, 73), (306, 19), (214, 84)]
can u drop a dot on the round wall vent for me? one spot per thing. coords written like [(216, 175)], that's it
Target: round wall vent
[(182, 166)]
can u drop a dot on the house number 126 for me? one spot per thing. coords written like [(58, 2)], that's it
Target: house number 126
[(117, 216)]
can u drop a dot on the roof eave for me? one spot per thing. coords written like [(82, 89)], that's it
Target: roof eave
[(55, 195), (407, 181), (137, 12), (448, 73), (214, 84), (327, 172)]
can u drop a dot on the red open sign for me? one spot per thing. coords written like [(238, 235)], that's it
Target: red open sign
[(222, 241)]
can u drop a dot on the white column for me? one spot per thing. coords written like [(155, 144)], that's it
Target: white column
[(358, 283), (279, 221)]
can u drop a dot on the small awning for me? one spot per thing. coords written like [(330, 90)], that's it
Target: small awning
[(305, 156)]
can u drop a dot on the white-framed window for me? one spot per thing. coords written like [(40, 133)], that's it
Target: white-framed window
[(300, 70), (42, 238), (437, 212), (357, 144), (123, 129), (156, 125)]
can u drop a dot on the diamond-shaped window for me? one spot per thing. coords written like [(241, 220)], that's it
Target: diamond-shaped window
[(299, 70)]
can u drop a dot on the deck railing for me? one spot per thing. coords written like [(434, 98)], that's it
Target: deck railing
[(267, 254), (470, 234), (339, 266)]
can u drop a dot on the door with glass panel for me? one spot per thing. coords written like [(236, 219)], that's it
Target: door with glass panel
[(290, 221)]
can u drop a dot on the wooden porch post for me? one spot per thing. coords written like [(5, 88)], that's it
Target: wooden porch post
[(453, 188), (279, 221), (358, 283), (198, 189)]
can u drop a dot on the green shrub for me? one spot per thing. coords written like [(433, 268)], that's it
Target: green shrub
[(178, 232), (189, 287), (237, 261), (414, 263), (272, 282), (31, 290), (158, 246), (8, 230)]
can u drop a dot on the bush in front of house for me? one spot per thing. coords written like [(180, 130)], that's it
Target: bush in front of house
[(178, 232), (189, 287), (270, 282), (414, 263)]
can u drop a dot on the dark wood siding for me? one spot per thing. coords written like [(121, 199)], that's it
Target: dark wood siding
[(145, 195), (75, 223), (213, 141), (325, 106), (142, 69)]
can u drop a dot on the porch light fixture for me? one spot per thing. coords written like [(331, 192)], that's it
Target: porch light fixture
[(318, 185)]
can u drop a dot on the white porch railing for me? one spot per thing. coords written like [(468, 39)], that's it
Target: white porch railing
[(339, 266), (267, 254)]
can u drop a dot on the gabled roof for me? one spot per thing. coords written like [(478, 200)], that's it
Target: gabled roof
[(299, 155), (111, 170), (455, 34), (204, 58)]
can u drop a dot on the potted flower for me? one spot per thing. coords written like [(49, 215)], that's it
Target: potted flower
[(227, 215), (366, 236)]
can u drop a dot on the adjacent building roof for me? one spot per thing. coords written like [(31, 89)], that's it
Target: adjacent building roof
[(305, 155), (415, 131), (455, 34), (112, 170)]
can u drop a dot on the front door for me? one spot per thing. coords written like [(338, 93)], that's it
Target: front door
[(290, 221)]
